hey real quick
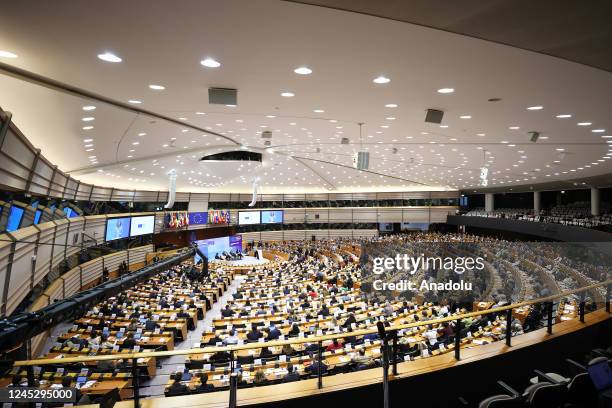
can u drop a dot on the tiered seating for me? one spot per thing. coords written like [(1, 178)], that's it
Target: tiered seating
[(153, 315)]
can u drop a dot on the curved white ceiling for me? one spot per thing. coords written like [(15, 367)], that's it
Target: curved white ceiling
[(259, 44)]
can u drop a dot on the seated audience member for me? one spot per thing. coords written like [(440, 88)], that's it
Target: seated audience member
[(129, 341), (360, 360), (349, 321), (254, 334), (214, 340), (335, 345), (295, 330), (260, 378), (265, 352), (227, 312), (287, 350), (177, 388), (231, 339), (292, 374), (203, 386), (314, 367), (219, 356), (273, 333), (150, 324)]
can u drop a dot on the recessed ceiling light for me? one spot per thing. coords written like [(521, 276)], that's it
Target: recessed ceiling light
[(381, 80), (303, 71), (182, 118), (200, 113), (135, 143), (88, 108), (270, 116), (598, 130), (533, 108), (230, 106), (87, 140), (7, 54), (584, 123), (444, 126), (88, 145), (564, 116), (88, 119), (446, 90), (391, 105), (390, 118), (135, 101), (287, 94), (89, 150), (465, 117), (210, 63), (514, 127), (109, 57), (559, 149), (87, 127), (606, 137), (318, 111), (480, 134), (157, 87), (142, 134)]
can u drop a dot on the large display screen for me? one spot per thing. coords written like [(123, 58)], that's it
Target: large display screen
[(272, 217), (249, 217), (218, 216), (14, 218), (117, 228), (37, 216), (176, 220), (142, 225), (198, 218), (217, 246)]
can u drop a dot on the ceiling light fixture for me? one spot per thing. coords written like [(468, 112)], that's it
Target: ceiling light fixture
[(564, 116), (87, 127), (446, 90), (7, 54), (465, 117), (88, 108), (210, 63), (109, 57), (391, 105), (514, 127), (318, 111), (534, 108), (303, 71), (134, 101), (381, 80), (598, 130), (584, 123), (157, 87), (287, 94), (88, 119)]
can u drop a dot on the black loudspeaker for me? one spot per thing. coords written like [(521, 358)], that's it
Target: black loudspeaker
[(534, 136), (434, 116)]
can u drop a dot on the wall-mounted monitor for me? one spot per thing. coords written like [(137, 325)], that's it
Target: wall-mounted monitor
[(249, 217), (218, 216), (198, 218), (272, 217), (117, 228), (14, 218), (176, 220), (142, 225), (37, 216)]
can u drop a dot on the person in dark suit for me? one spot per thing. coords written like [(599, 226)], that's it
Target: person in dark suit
[(295, 330), (254, 334), (273, 333), (220, 356), (349, 320), (227, 312), (129, 341), (150, 324), (265, 352), (203, 386), (314, 367), (292, 374), (177, 388)]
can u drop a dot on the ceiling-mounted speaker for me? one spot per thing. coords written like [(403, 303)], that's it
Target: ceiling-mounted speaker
[(266, 134), (222, 96), (344, 140), (267, 143), (534, 136), (361, 160), (434, 116)]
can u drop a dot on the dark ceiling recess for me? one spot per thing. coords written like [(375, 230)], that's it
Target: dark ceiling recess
[(578, 31), (235, 155)]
